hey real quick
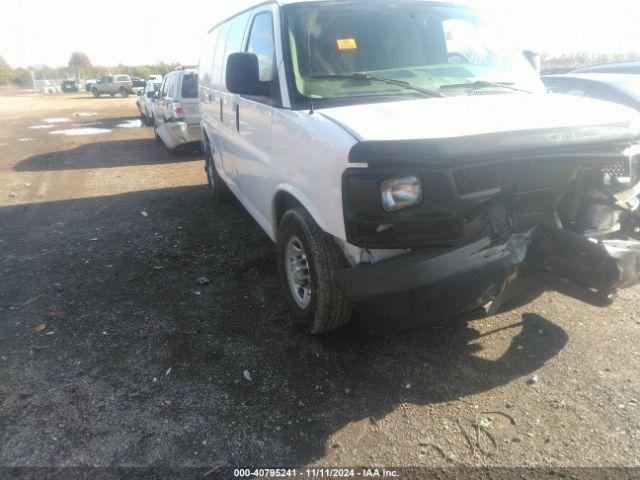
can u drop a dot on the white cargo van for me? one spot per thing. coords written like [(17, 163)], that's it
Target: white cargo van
[(407, 159)]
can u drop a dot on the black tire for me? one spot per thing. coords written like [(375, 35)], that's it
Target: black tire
[(155, 132), (328, 309), (149, 121), (219, 190), (95, 93), (124, 92)]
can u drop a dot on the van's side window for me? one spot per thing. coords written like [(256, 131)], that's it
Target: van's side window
[(236, 37), (206, 58), (262, 43), (218, 57)]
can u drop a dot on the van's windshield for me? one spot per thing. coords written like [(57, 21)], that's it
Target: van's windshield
[(444, 48)]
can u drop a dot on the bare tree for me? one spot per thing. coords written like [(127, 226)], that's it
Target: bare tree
[(79, 63)]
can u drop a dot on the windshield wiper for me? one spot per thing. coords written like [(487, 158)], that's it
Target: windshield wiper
[(479, 84), (365, 77)]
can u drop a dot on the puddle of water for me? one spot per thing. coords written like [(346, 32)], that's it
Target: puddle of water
[(86, 124), (85, 114), (40, 127), (56, 120), (72, 132), (130, 124)]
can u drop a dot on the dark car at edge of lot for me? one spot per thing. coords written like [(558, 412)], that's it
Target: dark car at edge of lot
[(630, 67), (618, 88)]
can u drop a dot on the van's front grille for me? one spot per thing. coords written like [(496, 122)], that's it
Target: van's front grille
[(617, 169), (484, 178), (465, 202)]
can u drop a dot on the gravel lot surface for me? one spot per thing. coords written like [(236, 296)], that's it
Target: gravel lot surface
[(112, 354)]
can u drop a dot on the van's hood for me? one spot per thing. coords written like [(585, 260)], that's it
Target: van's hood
[(466, 125)]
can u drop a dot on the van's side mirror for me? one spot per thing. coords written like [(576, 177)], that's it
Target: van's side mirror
[(243, 75), (151, 95), (534, 59)]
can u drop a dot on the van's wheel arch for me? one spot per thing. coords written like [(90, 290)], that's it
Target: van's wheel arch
[(307, 258), (219, 190)]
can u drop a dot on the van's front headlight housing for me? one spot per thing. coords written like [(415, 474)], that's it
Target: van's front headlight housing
[(400, 193)]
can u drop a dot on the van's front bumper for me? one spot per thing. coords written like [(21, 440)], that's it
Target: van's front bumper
[(485, 274), (175, 134)]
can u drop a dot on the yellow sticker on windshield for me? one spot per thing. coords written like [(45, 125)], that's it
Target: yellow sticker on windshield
[(347, 44)]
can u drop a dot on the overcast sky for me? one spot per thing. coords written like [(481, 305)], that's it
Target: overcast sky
[(125, 31)]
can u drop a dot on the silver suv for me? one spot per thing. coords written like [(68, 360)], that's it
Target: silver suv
[(113, 84)]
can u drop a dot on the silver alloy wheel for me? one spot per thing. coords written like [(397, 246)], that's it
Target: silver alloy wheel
[(298, 272)]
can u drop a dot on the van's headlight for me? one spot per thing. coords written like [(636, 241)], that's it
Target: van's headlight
[(400, 193)]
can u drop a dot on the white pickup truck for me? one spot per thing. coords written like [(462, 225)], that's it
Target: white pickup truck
[(406, 159)]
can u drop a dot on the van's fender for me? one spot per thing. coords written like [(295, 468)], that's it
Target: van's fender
[(302, 199)]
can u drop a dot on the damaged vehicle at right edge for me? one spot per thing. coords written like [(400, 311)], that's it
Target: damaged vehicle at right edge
[(407, 160)]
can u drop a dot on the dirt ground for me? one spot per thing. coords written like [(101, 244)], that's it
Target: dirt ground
[(112, 354)]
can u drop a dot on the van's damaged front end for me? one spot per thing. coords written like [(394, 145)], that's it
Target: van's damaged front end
[(498, 216)]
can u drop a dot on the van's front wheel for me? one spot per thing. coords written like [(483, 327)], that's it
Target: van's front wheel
[(307, 258), (219, 190)]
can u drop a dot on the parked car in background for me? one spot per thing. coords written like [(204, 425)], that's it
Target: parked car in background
[(176, 110), (631, 67), (556, 71), (112, 85), (145, 101), (139, 85), (611, 87), (69, 86), (422, 181), (88, 85)]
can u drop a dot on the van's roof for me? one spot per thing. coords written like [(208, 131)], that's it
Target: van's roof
[(291, 2)]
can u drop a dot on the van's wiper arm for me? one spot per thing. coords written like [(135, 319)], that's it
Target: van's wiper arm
[(478, 84), (365, 77)]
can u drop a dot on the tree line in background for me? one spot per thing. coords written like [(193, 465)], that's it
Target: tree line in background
[(577, 60), (79, 67)]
